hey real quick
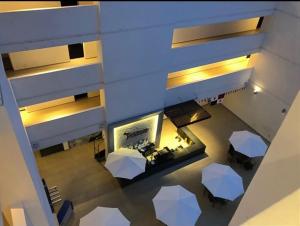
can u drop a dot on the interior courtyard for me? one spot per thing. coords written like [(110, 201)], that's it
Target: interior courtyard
[(128, 113), (89, 184)]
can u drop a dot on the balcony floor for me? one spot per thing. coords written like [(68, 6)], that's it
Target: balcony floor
[(88, 184), (79, 62), (200, 75), (59, 111)]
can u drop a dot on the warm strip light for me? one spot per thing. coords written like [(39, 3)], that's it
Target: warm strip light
[(208, 71), (17, 6)]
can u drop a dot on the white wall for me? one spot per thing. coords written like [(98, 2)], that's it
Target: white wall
[(66, 128), (273, 196), (1, 102), (133, 97), (133, 15), (16, 187), (137, 48), (213, 51), (20, 180), (56, 83), (277, 69), (133, 53), (52, 27)]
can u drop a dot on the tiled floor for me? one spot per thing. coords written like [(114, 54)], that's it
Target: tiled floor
[(84, 181)]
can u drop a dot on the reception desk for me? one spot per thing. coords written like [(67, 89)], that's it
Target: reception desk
[(160, 160)]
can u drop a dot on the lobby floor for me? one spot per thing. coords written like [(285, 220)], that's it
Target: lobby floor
[(88, 184)]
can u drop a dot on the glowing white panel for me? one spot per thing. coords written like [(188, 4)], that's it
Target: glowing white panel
[(132, 132)]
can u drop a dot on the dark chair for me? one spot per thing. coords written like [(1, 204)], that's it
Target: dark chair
[(221, 201), (212, 199), (205, 190), (231, 154), (239, 160), (231, 150), (100, 155), (248, 165)]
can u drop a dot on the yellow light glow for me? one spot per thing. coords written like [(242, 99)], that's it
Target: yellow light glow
[(208, 71), (152, 125), (56, 109), (29, 118), (257, 89), (16, 6), (169, 132)]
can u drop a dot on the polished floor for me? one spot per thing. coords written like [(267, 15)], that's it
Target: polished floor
[(86, 182)]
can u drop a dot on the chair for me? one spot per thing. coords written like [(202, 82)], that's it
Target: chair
[(231, 150), (212, 199), (222, 202), (248, 165), (241, 158), (231, 154)]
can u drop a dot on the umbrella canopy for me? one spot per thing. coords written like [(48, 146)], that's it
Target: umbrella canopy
[(125, 163), (176, 206), (103, 216), (248, 143), (222, 181)]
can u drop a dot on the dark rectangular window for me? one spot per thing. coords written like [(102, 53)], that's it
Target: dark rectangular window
[(68, 3), (76, 50), (6, 62), (80, 96)]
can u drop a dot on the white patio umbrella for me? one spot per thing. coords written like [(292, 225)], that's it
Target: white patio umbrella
[(222, 181), (248, 143), (104, 216), (125, 163), (176, 206)]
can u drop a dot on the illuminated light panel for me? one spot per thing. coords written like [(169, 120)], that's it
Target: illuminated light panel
[(257, 89), (208, 71), (151, 122)]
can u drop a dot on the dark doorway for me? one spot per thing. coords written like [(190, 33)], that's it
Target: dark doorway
[(80, 96), (68, 3)]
